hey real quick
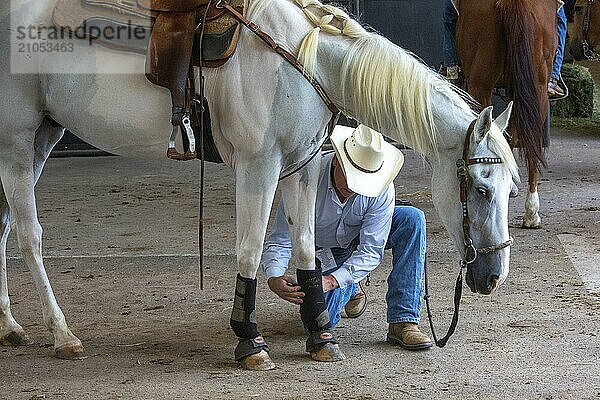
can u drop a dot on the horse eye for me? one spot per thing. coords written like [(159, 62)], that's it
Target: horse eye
[(483, 192)]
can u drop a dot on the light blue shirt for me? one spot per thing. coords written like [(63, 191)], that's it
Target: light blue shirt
[(337, 225)]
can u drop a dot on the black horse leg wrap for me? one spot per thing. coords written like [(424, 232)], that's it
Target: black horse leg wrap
[(313, 309), (243, 317)]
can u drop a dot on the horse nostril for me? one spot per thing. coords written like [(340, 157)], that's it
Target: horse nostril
[(494, 280)]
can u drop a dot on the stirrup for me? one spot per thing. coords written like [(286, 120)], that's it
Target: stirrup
[(563, 86), (186, 127)]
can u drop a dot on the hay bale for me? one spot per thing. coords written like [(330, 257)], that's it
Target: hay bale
[(580, 103)]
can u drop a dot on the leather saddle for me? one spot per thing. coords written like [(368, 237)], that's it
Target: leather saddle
[(175, 35)]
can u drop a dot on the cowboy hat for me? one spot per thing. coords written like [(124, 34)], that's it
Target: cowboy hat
[(369, 162)]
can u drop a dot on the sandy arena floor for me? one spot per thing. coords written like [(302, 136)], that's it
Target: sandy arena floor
[(120, 241)]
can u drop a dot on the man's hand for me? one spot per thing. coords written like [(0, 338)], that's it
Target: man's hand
[(329, 283), (286, 288)]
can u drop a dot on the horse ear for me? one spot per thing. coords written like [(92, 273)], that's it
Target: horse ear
[(483, 124), (503, 119)]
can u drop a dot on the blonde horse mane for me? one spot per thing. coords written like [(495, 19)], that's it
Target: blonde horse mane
[(386, 82), (330, 19), (394, 87)]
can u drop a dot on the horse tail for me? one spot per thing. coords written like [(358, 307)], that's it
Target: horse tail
[(529, 115)]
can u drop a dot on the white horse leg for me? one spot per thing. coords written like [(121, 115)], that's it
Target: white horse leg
[(256, 182), (19, 170), (532, 219), (299, 193), (11, 333)]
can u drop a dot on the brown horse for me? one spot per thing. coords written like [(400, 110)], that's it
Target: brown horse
[(584, 32), (511, 44)]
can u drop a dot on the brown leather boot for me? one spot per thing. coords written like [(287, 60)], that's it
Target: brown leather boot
[(408, 336), (554, 89), (357, 305)]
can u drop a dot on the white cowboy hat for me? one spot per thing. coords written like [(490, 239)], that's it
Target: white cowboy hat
[(369, 162)]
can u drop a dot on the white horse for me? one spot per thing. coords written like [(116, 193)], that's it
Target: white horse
[(266, 119)]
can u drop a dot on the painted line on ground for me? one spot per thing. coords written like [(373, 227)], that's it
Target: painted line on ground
[(585, 260), (90, 256)]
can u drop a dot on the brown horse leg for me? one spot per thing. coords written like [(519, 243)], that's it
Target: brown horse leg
[(531, 219)]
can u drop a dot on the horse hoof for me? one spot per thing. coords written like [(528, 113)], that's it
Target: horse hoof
[(532, 221), (330, 352), (15, 338), (532, 224), (258, 362), (69, 351)]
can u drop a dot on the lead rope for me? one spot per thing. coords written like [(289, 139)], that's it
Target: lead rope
[(457, 295), (463, 176)]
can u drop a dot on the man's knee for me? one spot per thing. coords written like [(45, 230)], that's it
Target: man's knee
[(409, 217)]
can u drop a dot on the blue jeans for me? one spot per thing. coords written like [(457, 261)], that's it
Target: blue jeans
[(450, 18), (561, 27), (407, 240)]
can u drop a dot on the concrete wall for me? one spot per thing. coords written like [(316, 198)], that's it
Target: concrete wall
[(415, 25)]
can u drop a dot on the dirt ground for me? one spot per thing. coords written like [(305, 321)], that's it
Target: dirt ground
[(120, 241)]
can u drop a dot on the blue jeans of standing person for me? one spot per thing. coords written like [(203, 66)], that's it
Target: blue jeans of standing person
[(450, 18), (407, 240), (561, 26)]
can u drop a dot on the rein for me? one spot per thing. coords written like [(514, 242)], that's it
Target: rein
[(588, 51), (470, 251)]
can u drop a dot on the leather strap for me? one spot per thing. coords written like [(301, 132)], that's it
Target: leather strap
[(587, 19), (202, 156), (588, 51), (316, 340), (279, 50), (248, 347), (457, 296), (332, 122)]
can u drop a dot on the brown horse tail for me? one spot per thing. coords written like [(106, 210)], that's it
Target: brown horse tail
[(529, 114)]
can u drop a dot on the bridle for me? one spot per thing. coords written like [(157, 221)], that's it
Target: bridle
[(588, 51), (470, 251)]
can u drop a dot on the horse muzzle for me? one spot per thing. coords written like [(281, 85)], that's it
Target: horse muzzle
[(484, 275), (493, 282)]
